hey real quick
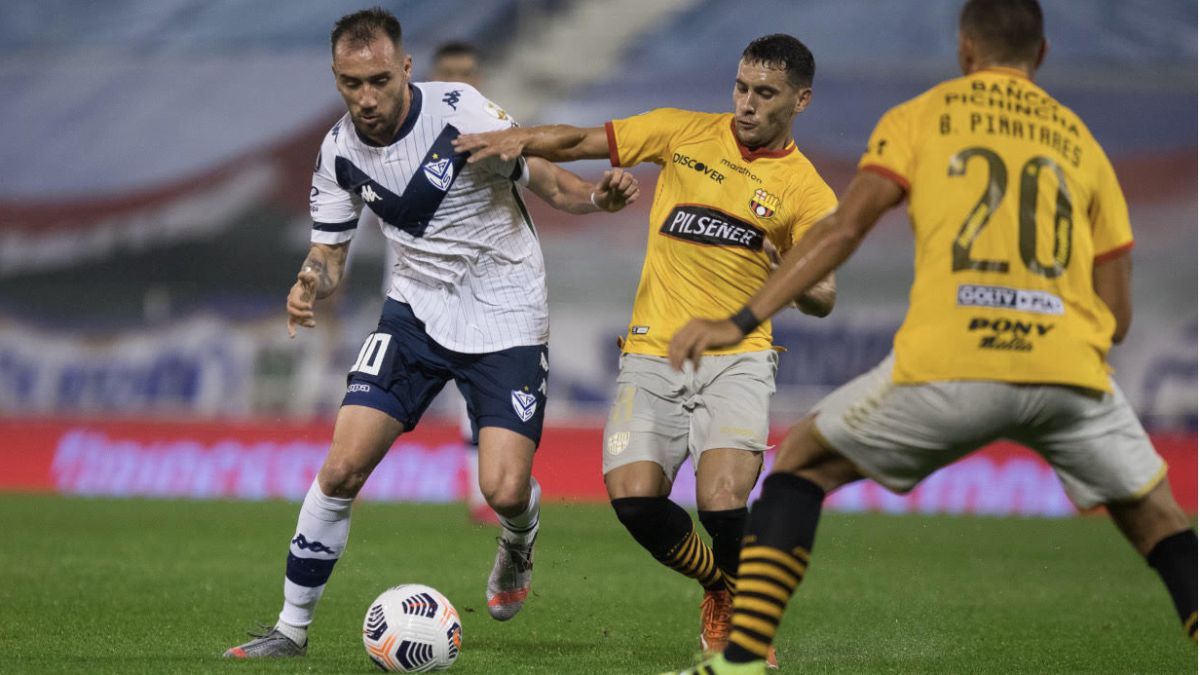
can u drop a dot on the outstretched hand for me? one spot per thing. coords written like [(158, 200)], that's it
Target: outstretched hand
[(300, 300), (507, 144), (615, 190), (698, 336)]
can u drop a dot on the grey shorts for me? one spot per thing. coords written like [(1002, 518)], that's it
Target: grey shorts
[(661, 415), (899, 434)]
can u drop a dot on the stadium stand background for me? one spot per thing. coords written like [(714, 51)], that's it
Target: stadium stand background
[(157, 158)]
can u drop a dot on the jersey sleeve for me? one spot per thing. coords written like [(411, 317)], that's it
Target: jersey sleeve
[(892, 148), (648, 137), (476, 114), (817, 200), (334, 210), (1112, 233)]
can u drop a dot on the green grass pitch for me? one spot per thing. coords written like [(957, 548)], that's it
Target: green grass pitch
[(162, 586)]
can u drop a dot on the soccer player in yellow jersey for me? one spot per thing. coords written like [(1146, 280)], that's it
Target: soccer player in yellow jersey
[(733, 189), (1021, 285)]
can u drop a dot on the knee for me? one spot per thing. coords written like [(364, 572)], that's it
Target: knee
[(637, 513), (656, 523), (342, 479), (641, 479), (508, 496), (723, 495)]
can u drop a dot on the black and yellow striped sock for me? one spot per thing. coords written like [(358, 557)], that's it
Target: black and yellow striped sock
[(666, 530), (775, 555), (767, 578), (1174, 558), (692, 558)]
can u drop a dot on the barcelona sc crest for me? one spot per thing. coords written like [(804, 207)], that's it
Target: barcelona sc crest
[(764, 204)]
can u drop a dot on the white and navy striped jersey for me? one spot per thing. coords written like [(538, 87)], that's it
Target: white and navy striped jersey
[(468, 259)]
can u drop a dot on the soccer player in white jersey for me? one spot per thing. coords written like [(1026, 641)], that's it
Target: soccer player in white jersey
[(467, 303)]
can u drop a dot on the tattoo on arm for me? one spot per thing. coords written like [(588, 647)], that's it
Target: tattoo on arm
[(328, 268)]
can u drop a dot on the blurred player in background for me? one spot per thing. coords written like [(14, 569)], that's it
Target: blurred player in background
[(733, 189), (457, 61), (1022, 284), (467, 303)]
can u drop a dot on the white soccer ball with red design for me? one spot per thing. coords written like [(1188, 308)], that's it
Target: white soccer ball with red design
[(412, 629)]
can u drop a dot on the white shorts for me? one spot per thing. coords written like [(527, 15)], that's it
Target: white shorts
[(662, 415), (899, 434)]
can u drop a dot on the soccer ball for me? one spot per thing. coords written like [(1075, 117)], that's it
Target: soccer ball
[(412, 629)]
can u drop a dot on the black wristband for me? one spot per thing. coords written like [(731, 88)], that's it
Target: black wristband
[(745, 320)]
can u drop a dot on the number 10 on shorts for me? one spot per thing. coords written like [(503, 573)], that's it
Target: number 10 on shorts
[(370, 357)]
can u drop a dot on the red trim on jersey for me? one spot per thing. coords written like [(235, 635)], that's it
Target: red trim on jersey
[(887, 173), (1113, 253), (751, 155), (614, 157)]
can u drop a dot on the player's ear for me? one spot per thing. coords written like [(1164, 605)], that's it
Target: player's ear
[(408, 66), (803, 98), (966, 53), (1043, 49)]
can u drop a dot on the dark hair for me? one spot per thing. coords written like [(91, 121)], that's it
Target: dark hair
[(363, 26), (1009, 31), (783, 51), (455, 48)]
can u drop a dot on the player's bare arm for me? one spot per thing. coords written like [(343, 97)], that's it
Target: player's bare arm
[(817, 301), (555, 142), (317, 279), (1111, 279), (566, 191), (818, 253)]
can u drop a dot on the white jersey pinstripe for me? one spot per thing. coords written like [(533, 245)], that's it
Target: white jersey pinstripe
[(468, 259)]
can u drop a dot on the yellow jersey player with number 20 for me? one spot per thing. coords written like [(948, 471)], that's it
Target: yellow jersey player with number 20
[(1021, 285)]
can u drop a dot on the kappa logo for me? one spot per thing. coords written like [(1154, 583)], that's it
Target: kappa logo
[(545, 364), (368, 194), (440, 172), (764, 204), (304, 544), (451, 98), (525, 405)]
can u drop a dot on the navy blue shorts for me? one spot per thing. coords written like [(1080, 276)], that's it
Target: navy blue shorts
[(400, 370)]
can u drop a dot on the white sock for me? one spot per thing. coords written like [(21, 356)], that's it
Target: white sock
[(297, 634), (321, 534), (522, 528)]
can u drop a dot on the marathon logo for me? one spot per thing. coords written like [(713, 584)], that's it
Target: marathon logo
[(1008, 335), (1002, 297), (703, 225)]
